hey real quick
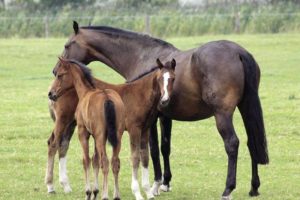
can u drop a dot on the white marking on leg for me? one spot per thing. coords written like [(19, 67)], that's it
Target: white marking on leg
[(165, 188), (49, 175), (166, 77), (155, 187), (50, 188), (135, 185), (146, 183), (63, 177)]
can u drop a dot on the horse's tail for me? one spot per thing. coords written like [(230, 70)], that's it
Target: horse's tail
[(251, 111), (110, 118)]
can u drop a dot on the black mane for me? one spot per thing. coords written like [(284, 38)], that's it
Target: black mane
[(143, 74), (87, 72), (116, 32)]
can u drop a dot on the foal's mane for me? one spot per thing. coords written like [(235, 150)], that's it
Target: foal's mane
[(116, 32), (87, 72), (143, 74)]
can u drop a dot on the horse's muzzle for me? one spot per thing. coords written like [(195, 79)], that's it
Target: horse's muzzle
[(164, 103), (52, 96)]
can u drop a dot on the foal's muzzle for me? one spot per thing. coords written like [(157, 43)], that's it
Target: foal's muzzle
[(52, 96), (164, 103)]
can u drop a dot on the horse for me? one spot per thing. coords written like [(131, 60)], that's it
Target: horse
[(212, 81), (142, 97), (100, 113)]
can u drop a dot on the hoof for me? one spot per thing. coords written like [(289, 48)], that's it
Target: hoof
[(52, 192), (165, 188), (117, 198), (50, 189), (226, 197), (67, 189), (253, 193)]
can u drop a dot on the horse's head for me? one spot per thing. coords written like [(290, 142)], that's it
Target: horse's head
[(166, 80), (76, 47), (63, 80)]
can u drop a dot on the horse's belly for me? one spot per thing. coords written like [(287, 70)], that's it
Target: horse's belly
[(185, 108)]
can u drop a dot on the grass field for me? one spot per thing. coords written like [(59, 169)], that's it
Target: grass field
[(198, 158)]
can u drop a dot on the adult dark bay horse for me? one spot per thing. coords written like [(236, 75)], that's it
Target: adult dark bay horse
[(211, 80)]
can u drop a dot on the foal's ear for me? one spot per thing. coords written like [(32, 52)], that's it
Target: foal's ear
[(160, 65), (173, 63), (63, 61), (75, 27)]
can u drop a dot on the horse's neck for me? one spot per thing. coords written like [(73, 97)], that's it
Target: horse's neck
[(81, 86), (129, 57)]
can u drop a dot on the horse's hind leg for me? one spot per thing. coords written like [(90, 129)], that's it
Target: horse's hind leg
[(115, 165), (226, 130), (144, 153), (95, 162), (166, 127), (63, 149), (84, 141), (104, 163)]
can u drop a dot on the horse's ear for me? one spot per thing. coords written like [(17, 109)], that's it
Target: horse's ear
[(75, 27), (173, 63), (63, 61), (160, 65)]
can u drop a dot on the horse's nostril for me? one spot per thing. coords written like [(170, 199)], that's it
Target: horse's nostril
[(49, 94)]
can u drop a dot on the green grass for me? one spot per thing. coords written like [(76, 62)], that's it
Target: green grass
[(198, 157)]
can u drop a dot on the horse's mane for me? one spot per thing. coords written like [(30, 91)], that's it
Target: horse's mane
[(87, 72), (116, 32), (143, 74)]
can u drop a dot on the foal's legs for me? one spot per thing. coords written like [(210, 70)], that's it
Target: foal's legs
[(104, 163), (166, 127), (115, 165), (226, 130), (154, 150), (144, 153), (96, 167), (84, 140), (53, 145), (62, 149), (135, 141)]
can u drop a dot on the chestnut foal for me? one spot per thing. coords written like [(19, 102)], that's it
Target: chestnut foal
[(100, 113), (141, 98)]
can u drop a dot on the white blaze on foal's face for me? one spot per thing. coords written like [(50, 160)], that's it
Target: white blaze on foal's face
[(166, 77)]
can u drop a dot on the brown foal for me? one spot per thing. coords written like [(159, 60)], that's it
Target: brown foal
[(100, 113), (141, 98)]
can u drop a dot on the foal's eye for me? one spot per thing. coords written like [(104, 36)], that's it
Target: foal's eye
[(59, 76)]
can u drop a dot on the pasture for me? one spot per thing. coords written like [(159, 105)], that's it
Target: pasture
[(198, 158)]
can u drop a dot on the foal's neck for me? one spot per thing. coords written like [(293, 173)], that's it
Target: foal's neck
[(80, 84)]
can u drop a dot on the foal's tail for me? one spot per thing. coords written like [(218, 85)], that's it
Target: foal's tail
[(110, 118), (251, 111)]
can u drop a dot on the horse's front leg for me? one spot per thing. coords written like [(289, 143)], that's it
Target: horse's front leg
[(166, 127), (53, 145), (154, 149), (135, 140), (63, 149), (144, 153)]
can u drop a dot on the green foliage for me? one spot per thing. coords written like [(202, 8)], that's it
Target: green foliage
[(164, 21)]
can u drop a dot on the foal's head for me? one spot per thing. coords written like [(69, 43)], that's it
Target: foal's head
[(166, 80), (65, 77)]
